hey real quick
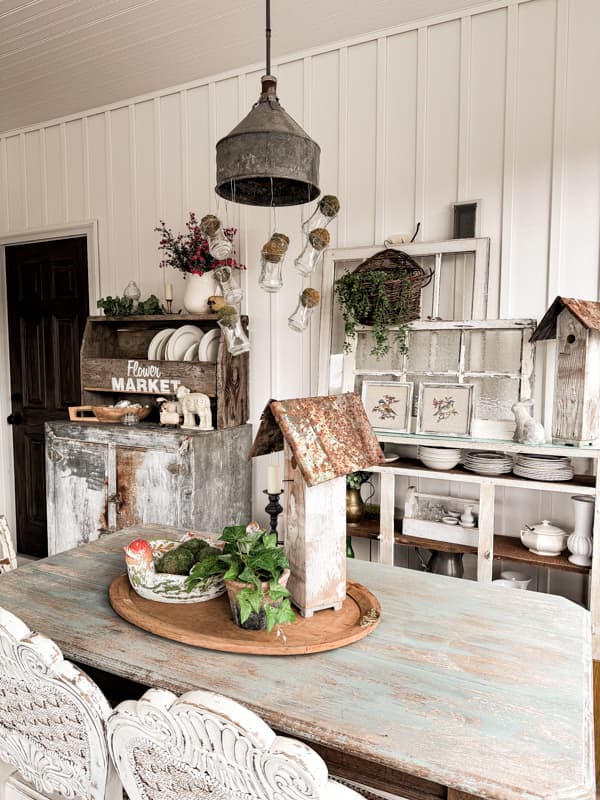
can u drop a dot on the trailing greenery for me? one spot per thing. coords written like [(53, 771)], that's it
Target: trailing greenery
[(250, 555), (354, 480), (363, 295), (122, 307)]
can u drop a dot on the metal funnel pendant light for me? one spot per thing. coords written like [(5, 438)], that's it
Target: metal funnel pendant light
[(268, 160)]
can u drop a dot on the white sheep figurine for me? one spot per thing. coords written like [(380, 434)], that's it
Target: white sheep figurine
[(528, 431)]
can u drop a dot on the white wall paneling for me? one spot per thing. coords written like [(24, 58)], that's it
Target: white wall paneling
[(497, 103)]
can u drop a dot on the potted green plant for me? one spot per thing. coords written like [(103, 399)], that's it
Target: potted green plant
[(256, 571)]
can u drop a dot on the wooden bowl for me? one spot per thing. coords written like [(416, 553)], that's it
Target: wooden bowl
[(111, 414)]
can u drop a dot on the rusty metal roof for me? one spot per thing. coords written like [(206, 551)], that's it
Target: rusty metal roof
[(586, 311), (329, 436)]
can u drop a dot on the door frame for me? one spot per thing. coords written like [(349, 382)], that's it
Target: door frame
[(87, 228)]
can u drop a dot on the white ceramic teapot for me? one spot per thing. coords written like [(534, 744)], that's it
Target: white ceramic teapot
[(544, 539)]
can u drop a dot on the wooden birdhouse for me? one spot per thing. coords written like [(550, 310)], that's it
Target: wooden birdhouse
[(324, 439), (575, 324)]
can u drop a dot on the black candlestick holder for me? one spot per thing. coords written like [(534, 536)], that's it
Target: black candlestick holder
[(274, 509)]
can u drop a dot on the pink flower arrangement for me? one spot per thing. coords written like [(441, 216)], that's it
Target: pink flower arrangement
[(189, 252)]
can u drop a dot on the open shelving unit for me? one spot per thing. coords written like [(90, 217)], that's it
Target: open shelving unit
[(492, 544)]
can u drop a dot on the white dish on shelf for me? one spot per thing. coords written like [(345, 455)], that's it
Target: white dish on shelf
[(467, 524), (439, 458), (518, 580), (389, 459), (155, 348), (191, 353), (208, 350), (487, 462), (449, 520), (181, 341)]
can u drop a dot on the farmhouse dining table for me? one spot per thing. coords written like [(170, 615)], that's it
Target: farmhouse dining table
[(462, 690)]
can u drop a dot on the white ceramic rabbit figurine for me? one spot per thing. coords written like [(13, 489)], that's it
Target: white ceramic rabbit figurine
[(528, 431)]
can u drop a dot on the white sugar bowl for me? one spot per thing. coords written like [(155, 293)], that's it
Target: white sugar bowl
[(544, 539)]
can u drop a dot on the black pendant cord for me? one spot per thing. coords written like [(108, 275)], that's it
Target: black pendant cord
[(268, 36)]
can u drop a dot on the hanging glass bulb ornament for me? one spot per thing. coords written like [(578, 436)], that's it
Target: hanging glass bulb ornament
[(272, 255), (219, 245), (232, 294), (307, 302), (327, 210), (316, 244), (230, 323)]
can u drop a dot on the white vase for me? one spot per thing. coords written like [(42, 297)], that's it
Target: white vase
[(198, 288), (580, 541)]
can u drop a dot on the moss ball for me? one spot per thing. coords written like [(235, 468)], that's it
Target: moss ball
[(319, 238), (176, 562), (329, 205), (310, 297), (282, 241), (209, 224), (271, 251)]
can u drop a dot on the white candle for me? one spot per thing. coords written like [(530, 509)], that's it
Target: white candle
[(169, 291), (273, 479)]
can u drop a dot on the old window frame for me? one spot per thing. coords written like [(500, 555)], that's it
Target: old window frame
[(479, 247)]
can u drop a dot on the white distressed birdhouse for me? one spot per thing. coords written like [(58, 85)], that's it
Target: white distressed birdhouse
[(324, 439), (575, 324)]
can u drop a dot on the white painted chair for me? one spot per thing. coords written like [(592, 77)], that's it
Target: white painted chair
[(52, 716), (204, 745), (8, 557)]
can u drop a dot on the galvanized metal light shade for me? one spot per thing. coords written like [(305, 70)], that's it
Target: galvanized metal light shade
[(268, 160)]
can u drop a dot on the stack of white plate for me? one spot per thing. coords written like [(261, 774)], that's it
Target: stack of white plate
[(439, 457), (187, 343), (488, 463), (543, 468)]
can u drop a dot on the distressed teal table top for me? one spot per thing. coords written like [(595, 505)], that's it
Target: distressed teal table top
[(483, 690)]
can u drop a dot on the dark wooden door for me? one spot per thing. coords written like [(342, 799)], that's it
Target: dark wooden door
[(47, 293)]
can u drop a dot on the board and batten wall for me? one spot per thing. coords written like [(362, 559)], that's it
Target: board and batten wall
[(499, 104)]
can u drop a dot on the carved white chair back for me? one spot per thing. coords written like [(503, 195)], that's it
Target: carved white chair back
[(204, 745), (8, 558), (52, 718)]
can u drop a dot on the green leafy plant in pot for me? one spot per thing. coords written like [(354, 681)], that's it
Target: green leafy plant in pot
[(256, 572)]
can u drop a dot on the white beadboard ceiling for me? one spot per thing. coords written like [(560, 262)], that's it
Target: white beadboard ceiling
[(59, 57)]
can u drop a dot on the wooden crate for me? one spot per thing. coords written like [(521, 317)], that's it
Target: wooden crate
[(115, 349)]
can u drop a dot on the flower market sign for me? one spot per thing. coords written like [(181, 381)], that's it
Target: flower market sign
[(144, 379)]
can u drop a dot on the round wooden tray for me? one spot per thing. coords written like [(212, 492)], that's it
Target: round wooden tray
[(209, 624)]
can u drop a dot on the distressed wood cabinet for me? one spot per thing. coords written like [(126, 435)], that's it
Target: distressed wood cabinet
[(101, 478)]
